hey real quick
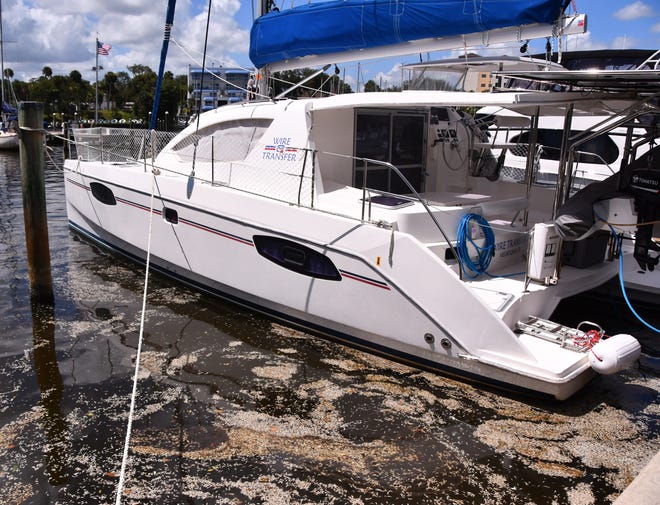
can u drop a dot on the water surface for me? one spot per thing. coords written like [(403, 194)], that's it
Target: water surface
[(235, 408)]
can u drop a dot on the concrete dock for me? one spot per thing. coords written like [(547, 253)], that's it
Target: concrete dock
[(645, 489)]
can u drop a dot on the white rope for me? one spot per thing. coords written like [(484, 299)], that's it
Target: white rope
[(120, 486)]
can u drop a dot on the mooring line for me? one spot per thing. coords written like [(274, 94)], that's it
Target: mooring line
[(122, 473)]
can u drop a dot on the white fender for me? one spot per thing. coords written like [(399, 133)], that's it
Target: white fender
[(612, 355)]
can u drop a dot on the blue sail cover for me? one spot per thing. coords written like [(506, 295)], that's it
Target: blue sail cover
[(8, 109), (345, 25)]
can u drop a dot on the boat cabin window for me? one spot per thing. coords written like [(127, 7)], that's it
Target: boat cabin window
[(170, 215), (296, 257), (601, 150), (395, 137), (102, 193), (227, 141)]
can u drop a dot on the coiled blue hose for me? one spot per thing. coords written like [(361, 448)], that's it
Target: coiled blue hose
[(473, 268)]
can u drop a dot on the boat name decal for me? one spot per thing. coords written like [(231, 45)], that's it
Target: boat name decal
[(280, 150), (509, 247)]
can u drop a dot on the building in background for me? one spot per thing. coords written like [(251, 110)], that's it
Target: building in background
[(215, 86)]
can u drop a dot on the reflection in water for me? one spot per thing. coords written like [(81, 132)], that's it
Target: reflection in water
[(50, 384), (43, 307), (235, 408)]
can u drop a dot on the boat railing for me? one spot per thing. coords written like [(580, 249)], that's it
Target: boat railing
[(368, 194), (651, 63), (548, 153), (117, 145), (296, 183)]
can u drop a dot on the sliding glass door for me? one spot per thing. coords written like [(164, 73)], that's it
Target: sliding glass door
[(396, 137)]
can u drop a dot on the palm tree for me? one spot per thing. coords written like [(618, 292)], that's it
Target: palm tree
[(110, 81)]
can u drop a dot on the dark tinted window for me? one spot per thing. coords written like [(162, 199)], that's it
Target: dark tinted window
[(398, 138), (600, 150), (102, 193), (171, 215), (296, 257), (373, 137), (408, 140)]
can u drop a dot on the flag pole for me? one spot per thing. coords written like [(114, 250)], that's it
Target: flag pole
[(96, 67)]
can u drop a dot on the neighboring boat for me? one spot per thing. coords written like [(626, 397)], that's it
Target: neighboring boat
[(378, 219), (8, 139), (597, 155), (8, 134)]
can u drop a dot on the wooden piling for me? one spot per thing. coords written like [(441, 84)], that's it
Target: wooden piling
[(31, 148)]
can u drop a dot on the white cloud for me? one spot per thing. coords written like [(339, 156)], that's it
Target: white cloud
[(61, 34), (583, 42), (390, 78), (624, 42), (634, 10), (656, 28)]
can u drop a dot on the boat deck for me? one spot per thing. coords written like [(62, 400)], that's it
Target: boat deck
[(505, 281)]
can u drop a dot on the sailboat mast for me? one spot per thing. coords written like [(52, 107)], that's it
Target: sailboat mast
[(2, 58), (263, 7), (169, 21)]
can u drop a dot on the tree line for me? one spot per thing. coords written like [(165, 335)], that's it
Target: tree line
[(130, 95), (122, 94)]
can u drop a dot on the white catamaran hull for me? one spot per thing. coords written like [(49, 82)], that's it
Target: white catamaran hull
[(293, 238), (390, 310)]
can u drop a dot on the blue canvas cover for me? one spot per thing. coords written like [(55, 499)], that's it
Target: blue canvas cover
[(8, 109), (343, 25)]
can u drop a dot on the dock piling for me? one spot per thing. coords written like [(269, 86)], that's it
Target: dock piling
[(31, 148)]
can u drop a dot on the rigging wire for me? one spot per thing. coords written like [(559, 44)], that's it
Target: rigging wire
[(201, 84), (187, 53), (220, 78)]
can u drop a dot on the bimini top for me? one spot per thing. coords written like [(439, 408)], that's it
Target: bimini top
[(641, 82), (353, 25)]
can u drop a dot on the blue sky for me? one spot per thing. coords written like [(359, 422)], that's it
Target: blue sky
[(61, 34)]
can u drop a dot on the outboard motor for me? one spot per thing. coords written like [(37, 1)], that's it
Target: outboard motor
[(642, 181)]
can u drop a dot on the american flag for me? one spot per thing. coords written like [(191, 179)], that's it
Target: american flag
[(103, 49)]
